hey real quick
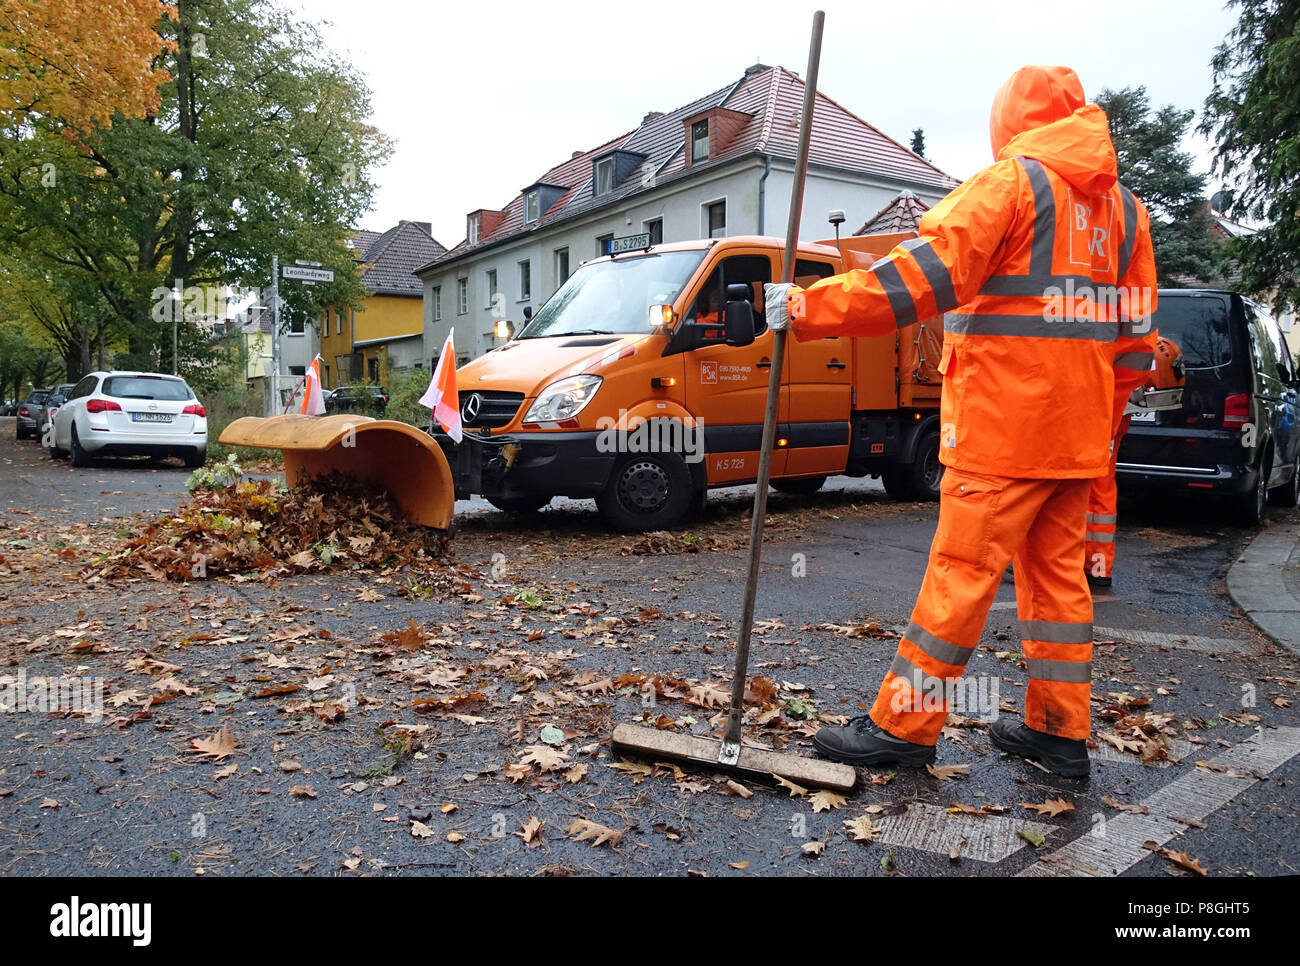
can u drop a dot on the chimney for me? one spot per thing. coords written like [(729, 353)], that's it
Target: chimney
[(651, 115)]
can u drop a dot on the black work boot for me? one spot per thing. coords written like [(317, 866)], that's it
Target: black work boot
[(1064, 756), (863, 742), (1098, 583)]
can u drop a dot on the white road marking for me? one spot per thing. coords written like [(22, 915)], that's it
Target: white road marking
[(1117, 844), (985, 838), (1175, 642)]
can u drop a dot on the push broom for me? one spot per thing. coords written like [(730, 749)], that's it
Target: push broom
[(729, 754)]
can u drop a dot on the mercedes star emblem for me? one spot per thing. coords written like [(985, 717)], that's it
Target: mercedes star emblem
[(470, 409)]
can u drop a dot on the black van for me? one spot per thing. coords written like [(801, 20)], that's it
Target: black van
[(1236, 435)]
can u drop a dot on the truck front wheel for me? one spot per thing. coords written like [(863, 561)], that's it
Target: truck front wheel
[(646, 491)]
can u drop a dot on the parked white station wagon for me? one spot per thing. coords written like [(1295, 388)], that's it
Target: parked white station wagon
[(130, 414)]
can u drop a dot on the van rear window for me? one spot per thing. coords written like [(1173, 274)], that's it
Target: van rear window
[(1199, 324), (146, 387)]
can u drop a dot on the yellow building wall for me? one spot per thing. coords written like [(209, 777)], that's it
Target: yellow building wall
[(389, 316), (379, 317)]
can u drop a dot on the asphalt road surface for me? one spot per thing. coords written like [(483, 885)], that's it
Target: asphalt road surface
[(557, 622)]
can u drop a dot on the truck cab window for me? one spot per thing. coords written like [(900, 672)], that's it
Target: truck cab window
[(752, 270)]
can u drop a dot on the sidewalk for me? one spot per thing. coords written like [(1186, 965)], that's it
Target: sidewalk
[(1261, 584)]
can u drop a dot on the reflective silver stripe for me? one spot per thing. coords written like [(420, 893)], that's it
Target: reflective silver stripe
[(1130, 231), (1057, 632), (918, 679), (1040, 255), (1093, 537), (904, 668), (1034, 284), (1140, 361), (936, 272), (1029, 326), (900, 299), (1103, 518), (1067, 672), (937, 647)]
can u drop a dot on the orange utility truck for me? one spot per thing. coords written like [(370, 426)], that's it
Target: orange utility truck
[(642, 381)]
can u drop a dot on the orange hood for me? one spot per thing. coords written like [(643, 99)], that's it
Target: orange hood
[(1041, 113)]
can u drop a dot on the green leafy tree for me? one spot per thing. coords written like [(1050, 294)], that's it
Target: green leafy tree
[(918, 141), (1253, 114), (1154, 166)]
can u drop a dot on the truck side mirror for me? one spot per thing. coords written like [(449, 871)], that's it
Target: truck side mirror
[(738, 316)]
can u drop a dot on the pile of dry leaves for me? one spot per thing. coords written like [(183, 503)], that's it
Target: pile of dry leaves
[(256, 527)]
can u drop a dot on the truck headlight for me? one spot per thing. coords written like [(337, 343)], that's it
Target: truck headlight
[(563, 399)]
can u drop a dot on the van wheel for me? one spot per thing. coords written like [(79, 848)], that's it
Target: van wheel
[(646, 491), (79, 456), (527, 503), (1250, 506), (803, 487), (926, 471), (897, 483), (1288, 494)]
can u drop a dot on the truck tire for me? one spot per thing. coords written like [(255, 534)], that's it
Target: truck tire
[(926, 471), (80, 457), (897, 483), (525, 503), (803, 487), (1250, 506), (647, 491), (1288, 494)]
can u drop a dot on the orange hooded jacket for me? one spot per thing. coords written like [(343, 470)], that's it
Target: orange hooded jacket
[(1047, 261)]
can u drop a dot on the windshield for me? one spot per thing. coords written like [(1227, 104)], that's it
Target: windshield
[(1199, 325), (614, 297)]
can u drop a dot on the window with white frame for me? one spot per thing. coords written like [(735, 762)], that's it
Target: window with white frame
[(604, 176), (491, 286), (655, 229), (435, 300), (601, 242), (532, 205), (338, 322), (700, 140), (561, 266), (462, 296), (715, 219), (525, 280), (473, 229)]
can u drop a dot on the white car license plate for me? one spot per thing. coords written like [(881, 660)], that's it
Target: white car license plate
[(151, 417), (1149, 417)]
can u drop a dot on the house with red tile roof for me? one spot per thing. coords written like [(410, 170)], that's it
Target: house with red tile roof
[(721, 165)]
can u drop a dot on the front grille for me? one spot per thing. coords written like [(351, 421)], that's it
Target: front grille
[(496, 410)]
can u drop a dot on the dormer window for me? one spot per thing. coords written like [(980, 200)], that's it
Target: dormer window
[(532, 206), (604, 176), (473, 229), (700, 140)]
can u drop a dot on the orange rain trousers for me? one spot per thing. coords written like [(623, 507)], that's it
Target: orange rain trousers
[(986, 522), (1099, 553)]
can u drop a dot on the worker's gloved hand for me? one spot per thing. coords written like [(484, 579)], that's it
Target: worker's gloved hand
[(778, 298)]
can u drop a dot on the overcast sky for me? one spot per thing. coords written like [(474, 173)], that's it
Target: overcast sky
[(481, 98)]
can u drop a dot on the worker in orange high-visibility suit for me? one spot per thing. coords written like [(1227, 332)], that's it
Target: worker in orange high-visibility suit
[(1165, 372), (1047, 261)]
